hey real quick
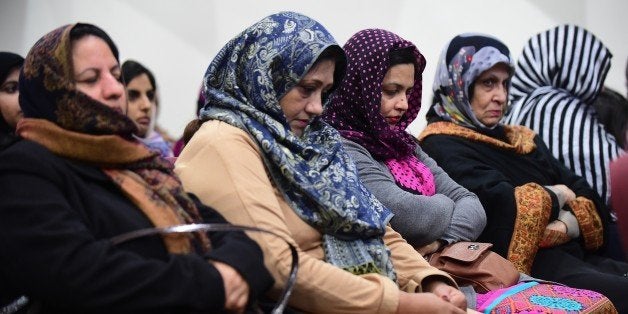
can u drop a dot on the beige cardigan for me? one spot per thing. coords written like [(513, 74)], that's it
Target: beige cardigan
[(222, 165)]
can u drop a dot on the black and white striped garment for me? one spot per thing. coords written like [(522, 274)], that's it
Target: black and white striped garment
[(558, 76)]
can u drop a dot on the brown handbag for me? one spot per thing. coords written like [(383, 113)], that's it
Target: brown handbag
[(473, 263)]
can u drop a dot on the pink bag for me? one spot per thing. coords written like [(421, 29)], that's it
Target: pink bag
[(534, 297)]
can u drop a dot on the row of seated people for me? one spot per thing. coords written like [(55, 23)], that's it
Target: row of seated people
[(302, 137)]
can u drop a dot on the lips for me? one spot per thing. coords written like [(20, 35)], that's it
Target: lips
[(300, 123), (393, 120), (495, 113), (143, 121)]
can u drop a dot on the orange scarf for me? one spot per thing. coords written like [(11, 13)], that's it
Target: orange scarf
[(142, 175)]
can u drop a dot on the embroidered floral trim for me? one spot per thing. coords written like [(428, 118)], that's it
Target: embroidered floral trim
[(521, 138), (589, 221), (534, 206)]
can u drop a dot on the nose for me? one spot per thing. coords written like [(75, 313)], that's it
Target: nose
[(315, 108), (402, 104), (112, 89), (501, 94), (145, 103)]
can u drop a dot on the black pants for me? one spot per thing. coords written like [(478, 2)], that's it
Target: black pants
[(614, 248), (570, 265)]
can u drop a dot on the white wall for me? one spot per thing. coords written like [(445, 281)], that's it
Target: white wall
[(178, 39)]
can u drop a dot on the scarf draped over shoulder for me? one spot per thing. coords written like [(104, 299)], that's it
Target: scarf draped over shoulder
[(74, 126), (532, 202), (243, 86), (355, 108), (559, 75)]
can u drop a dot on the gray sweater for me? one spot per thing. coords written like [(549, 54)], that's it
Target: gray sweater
[(452, 214)]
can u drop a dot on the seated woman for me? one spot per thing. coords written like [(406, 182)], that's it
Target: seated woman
[(611, 108), (372, 108), (540, 215), (264, 158), (191, 127), (142, 109), (79, 178), (10, 111), (619, 181), (553, 94)]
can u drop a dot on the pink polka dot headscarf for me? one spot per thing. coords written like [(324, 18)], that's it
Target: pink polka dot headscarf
[(355, 107)]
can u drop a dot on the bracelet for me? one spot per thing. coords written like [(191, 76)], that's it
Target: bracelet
[(565, 224), (441, 244)]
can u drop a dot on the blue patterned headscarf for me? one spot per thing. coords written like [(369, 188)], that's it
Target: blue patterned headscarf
[(462, 60), (243, 86)]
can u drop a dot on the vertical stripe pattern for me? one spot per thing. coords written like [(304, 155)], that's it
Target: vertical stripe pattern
[(559, 75)]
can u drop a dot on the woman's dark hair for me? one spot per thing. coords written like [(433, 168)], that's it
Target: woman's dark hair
[(401, 56), (81, 30), (336, 54), (8, 62), (132, 69), (627, 77), (612, 111), (431, 116), (190, 130)]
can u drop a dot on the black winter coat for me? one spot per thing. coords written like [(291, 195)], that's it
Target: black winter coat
[(56, 219)]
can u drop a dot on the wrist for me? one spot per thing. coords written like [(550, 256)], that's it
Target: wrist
[(430, 283), (559, 195), (563, 224), (440, 244), (571, 223)]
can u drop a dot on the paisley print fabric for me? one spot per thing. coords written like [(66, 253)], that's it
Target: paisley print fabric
[(589, 221), (243, 86), (462, 60), (534, 207)]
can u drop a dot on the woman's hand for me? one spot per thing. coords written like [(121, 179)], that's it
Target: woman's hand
[(447, 293), (563, 193), (426, 303), (236, 288), (557, 225), (555, 234)]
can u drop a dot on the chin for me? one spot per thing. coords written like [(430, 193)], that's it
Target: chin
[(492, 121), (141, 133), (297, 132)]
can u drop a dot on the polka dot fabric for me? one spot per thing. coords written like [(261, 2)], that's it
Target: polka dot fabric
[(412, 175), (354, 107)]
